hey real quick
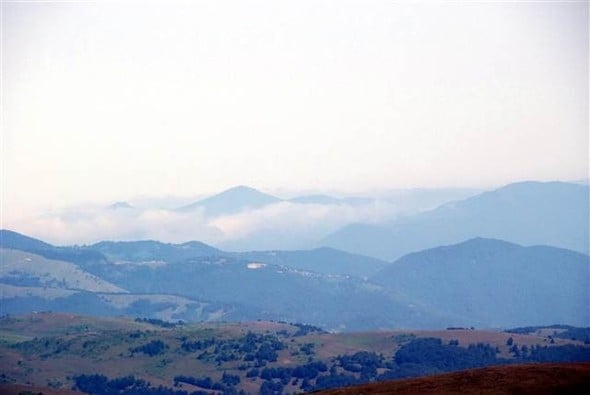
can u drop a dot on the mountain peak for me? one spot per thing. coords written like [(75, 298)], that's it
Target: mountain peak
[(232, 200)]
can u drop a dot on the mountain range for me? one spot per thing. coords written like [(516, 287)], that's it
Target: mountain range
[(481, 282), (529, 213), (243, 198)]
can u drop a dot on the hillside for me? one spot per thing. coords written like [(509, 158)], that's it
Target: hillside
[(481, 282), (26, 269), (74, 254), (335, 302), (193, 281), (497, 380), (322, 260), (494, 283), (153, 251), (528, 213), (94, 354)]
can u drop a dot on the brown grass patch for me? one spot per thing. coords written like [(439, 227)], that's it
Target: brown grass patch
[(497, 380)]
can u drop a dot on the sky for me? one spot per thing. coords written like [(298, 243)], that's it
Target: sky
[(106, 101)]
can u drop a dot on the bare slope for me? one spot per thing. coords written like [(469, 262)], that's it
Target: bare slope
[(497, 380)]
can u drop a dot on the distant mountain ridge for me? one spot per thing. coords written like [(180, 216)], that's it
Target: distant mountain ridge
[(529, 213), (479, 282), (493, 282), (243, 286), (241, 198), (149, 250)]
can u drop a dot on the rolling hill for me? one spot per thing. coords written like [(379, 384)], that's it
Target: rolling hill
[(147, 356), (480, 282), (246, 286), (529, 213)]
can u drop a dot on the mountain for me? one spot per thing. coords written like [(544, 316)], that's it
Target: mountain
[(242, 286), (322, 260), (493, 283), (481, 282), (551, 213), (30, 282), (232, 201), (274, 292), (17, 241), (78, 255)]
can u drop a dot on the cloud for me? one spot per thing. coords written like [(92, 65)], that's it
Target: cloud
[(280, 225), (291, 225), (84, 225)]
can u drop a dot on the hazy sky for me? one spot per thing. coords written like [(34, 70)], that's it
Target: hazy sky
[(108, 100)]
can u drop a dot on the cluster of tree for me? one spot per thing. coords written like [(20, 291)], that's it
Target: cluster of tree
[(192, 346), (160, 323), (416, 357), (363, 362), (560, 331), (225, 387), (153, 348), (310, 370), (230, 379), (283, 374), (565, 353), (431, 352), (97, 384), (307, 348), (271, 388), (305, 329), (333, 380), (44, 347), (252, 347), (581, 334)]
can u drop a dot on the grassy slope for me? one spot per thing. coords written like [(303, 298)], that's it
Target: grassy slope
[(52, 273), (64, 345)]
